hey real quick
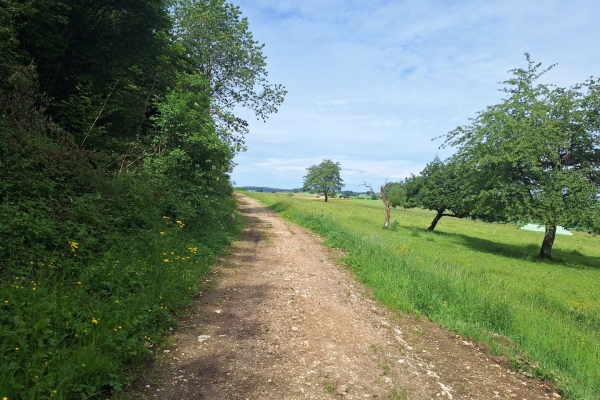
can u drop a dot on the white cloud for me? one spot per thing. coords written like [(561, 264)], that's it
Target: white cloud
[(371, 83)]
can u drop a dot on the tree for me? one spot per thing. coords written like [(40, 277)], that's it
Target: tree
[(536, 156), (396, 194), (439, 187), (324, 178), (219, 45), (383, 195)]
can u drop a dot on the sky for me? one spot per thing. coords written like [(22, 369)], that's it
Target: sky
[(372, 83)]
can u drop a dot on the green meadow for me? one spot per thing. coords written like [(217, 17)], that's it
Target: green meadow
[(481, 280)]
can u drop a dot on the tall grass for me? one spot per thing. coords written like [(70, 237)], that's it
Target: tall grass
[(76, 330), (481, 280)]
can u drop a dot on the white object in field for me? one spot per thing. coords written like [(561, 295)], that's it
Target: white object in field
[(540, 228)]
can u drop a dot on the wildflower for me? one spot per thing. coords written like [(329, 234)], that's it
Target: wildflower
[(162, 233), (74, 246), (79, 283), (166, 260), (94, 321), (116, 301), (16, 349)]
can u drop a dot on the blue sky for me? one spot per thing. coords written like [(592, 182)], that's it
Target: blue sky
[(371, 83)]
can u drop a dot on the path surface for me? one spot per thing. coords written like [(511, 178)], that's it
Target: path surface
[(285, 321)]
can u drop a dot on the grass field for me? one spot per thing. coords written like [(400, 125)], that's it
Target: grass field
[(481, 280)]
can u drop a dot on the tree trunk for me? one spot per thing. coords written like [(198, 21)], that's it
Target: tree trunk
[(548, 241), (439, 215), (325, 196), (387, 215)]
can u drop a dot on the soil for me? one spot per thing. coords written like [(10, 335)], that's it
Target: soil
[(284, 319)]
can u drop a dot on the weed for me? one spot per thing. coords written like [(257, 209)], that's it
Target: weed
[(394, 394), (330, 389)]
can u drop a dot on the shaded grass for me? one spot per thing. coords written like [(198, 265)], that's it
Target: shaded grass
[(481, 280)]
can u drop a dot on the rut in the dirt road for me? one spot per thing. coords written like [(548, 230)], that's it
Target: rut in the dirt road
[(284, 321)]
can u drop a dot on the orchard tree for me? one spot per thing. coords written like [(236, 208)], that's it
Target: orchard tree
[(324, 178), (396, 194), (217, 43), (535, 156), (439, 187)]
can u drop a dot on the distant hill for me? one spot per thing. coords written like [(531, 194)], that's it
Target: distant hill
[(268, 189)]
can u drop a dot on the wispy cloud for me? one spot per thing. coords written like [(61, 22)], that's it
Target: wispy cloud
[(371, 83)]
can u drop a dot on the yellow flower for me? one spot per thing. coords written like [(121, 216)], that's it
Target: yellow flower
[(74, 245), (162, 233), (94, 321), (5, 398), (166, 260), (16, 349)]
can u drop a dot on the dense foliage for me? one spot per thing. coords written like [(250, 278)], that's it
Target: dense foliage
[(111, 154)]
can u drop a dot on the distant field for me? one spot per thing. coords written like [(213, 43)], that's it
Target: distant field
[(482, 280)]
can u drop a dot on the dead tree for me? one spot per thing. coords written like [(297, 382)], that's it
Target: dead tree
[(383, 197)]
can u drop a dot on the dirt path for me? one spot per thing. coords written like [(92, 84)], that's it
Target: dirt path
[(284, 321)]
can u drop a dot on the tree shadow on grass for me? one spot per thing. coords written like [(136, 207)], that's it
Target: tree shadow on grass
[(525, 251)]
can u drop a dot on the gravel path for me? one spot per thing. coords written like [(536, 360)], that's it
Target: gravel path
[(285, 321)]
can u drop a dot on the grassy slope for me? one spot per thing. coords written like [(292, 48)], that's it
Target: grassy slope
[(478, 279)]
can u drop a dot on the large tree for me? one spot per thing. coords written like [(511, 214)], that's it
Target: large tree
[(535, 156), (324, 178), (440, 187), (219, 45)]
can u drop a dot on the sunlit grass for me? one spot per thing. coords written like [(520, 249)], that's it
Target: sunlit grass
[(476, 278)]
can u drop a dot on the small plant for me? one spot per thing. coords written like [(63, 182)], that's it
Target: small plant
[(396, 394)]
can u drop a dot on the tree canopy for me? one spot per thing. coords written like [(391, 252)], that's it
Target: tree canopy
[(440, 187), (324, 178), (535, 157), (219, 45)]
